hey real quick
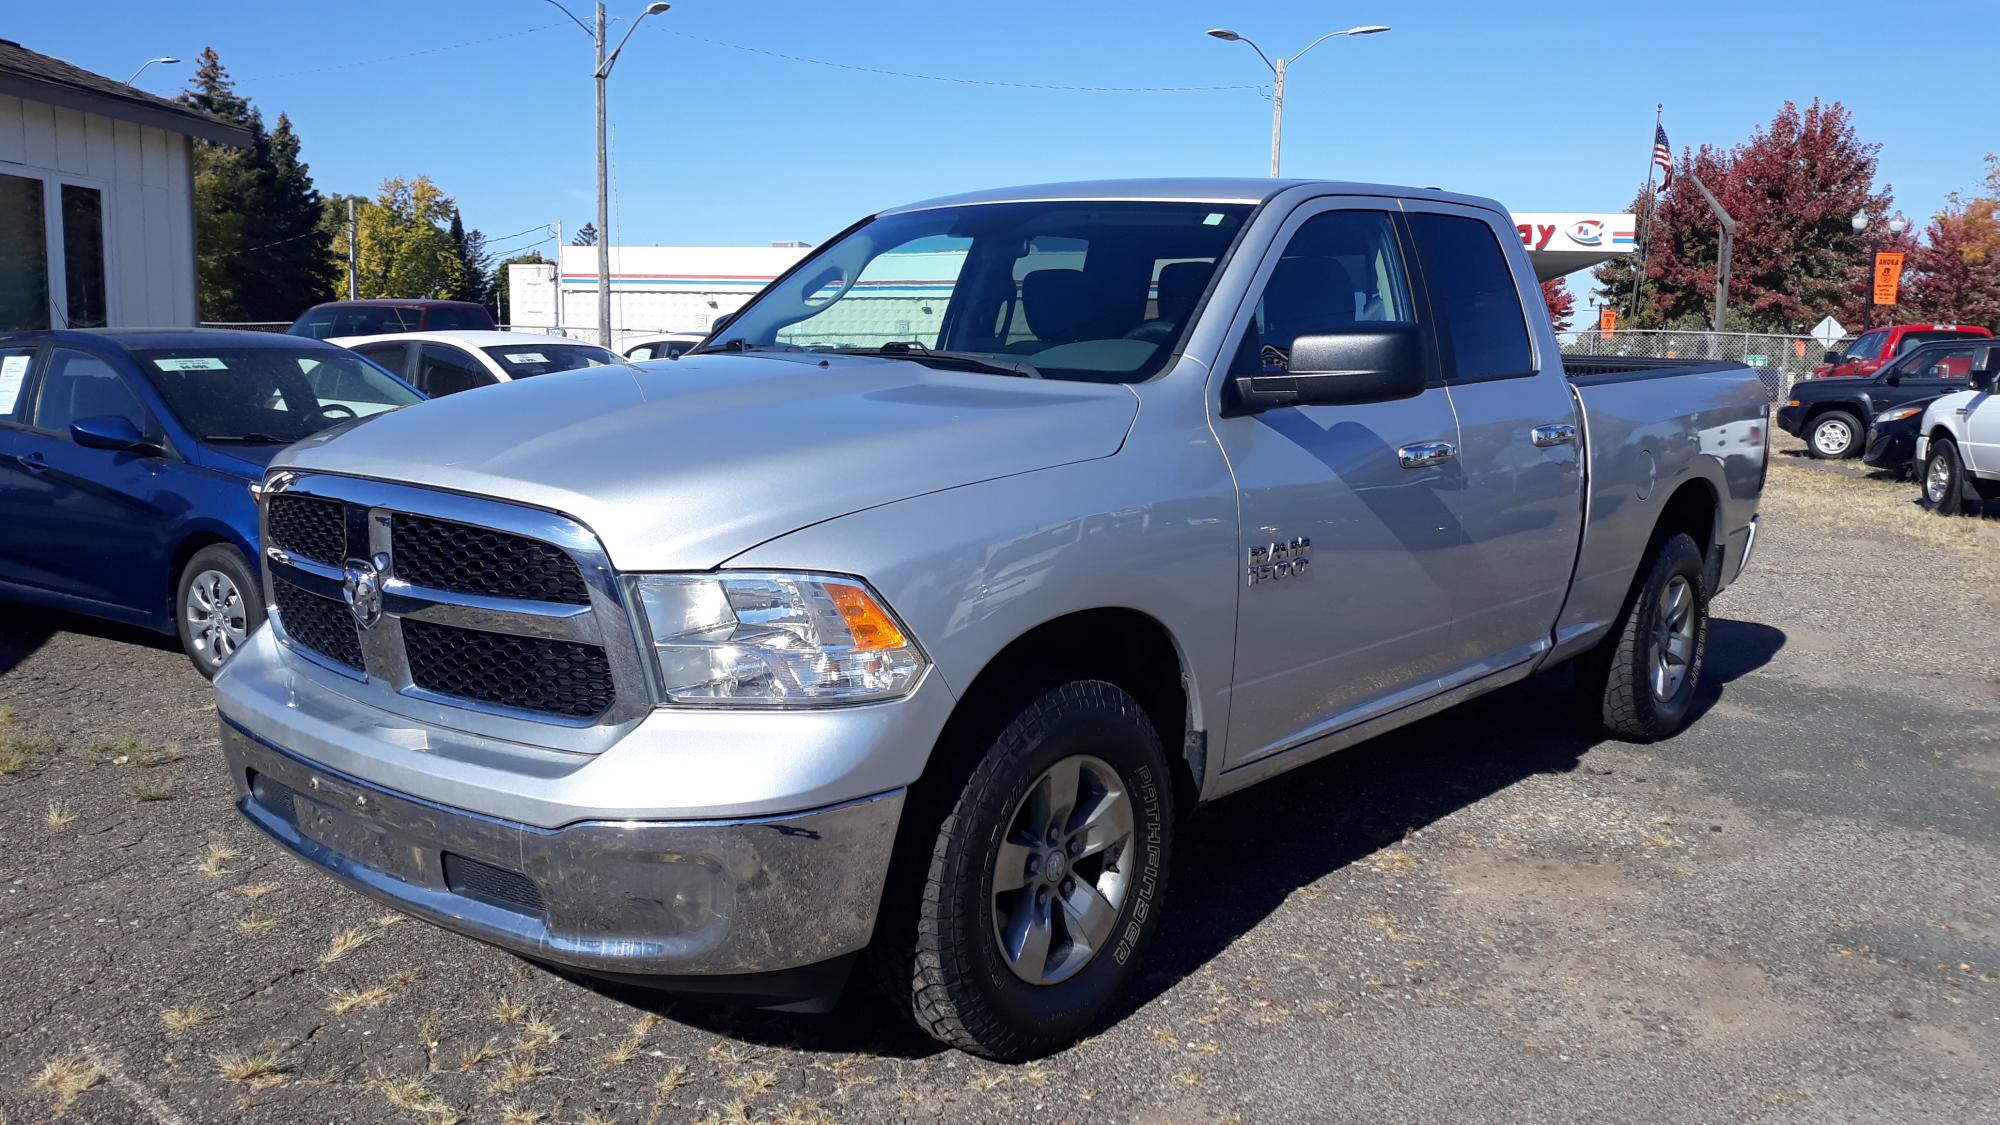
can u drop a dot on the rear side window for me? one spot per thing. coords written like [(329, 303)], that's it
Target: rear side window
[(1918, 339), (14, 364), (445, 318), (1472, 292), (390, 356)]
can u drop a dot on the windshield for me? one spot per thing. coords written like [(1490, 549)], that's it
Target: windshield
[(1097, 291), (269, 395), (331, 321), (520, 361)]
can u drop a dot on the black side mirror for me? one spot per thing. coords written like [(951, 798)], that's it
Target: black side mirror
[(1832, 358), (723, 321), (110, 431), (1351, 365)]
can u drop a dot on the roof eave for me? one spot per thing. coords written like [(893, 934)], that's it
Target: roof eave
[(189, 122)]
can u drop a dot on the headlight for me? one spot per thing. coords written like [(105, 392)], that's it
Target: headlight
[(1898, 413), (773, 639)]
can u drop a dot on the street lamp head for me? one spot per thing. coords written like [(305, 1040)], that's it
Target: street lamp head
[(1366, 29), (1898, 225), (165, 60), (1224, 34), (656, 9), (1859, 222)]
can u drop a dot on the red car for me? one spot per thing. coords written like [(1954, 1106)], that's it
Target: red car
[(1877, 346)]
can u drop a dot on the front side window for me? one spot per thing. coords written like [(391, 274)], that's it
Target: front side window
[(78, 386), (1340, 269), (24, 255), (445, 370), (1937, 363), (1485, 332), (520, 361), (253, 396), (1869, 346), (1079, 290)]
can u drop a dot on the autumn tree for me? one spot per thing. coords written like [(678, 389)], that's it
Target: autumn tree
[(1792, 189), (404, 246), (1953, 273), (260, 252), (1560, 302)]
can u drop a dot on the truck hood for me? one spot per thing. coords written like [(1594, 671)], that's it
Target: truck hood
[(683, 465)]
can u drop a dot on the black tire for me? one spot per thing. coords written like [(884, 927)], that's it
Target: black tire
[(245, 613), (1942, 458), (1832, 420), (1616, 679), (936, 955)]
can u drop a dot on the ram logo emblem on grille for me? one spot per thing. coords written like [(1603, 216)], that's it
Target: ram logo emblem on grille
[(361, 588)]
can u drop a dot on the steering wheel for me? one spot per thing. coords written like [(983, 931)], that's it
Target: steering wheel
[(326, 413)]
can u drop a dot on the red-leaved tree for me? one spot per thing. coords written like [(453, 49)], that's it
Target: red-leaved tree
[(1561, 304), (1954, 275), (1792, 189)]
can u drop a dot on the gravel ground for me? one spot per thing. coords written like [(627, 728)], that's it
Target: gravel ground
[(1789, 913)]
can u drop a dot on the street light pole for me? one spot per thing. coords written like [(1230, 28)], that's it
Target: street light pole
[(167, 59), (1860, 224), (603, 199), (1278, 67)]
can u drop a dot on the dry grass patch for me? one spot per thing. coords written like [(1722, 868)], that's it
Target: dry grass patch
[(755, 1082), (14, 754), (259, 1071), (344, 1000), (344, 943), (537, 1032), (515, 1073), (67, 1079), (254, 925), (513, 1113), (148, 793), (473, 1056), (412, 1094), (180, 1019), (1807, 497), (132, 752), (59, 814), (510, 1011), (255, 891), (212, 860), (675, 1077)]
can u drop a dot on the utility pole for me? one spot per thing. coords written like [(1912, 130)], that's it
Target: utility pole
[(1277, 110), (1278, 66), (559, 249), (1728, 237), (353, 235), (603, 199)]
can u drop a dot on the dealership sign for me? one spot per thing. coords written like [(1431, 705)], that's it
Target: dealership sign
[(1562, 242)]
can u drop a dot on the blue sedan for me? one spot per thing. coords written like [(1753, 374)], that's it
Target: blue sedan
[(128, 459)]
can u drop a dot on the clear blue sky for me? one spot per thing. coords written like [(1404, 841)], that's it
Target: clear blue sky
[(1544, 105)]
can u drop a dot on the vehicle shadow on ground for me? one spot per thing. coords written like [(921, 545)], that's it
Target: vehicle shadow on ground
[(25, 629), (1323, 817)]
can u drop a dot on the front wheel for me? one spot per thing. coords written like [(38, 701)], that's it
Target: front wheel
[(1943, 479), (217, 606), (1641, 680), (1835, 435), (1029, 891)]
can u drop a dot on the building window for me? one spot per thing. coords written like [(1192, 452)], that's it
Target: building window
[(83, 255), (24, 255)]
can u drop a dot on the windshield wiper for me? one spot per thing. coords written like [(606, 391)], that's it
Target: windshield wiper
[(917, 352), (252, 439)]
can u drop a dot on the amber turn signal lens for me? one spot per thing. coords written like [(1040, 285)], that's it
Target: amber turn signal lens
[(870, 623)]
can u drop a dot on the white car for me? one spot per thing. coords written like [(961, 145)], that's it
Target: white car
[(667, 345), (1958, 444), (443, 363)]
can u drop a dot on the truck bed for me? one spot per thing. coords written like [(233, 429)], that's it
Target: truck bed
[(1589, 370)]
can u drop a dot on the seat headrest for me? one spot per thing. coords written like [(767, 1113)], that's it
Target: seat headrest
[(1180, 287), (1056, 304)]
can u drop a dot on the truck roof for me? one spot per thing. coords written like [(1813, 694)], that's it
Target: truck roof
[(1202, 189)]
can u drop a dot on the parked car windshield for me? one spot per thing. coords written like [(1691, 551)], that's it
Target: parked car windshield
[(268, 395), (1101, 291), (520, 361), (357, 320)]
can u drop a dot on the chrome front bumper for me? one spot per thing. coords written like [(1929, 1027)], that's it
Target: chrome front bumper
[(636, 898)]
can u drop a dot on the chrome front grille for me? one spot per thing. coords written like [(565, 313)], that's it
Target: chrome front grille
[(453, 610)]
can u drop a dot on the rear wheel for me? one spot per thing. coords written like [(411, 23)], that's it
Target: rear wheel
[(1835, 435), (217, 606), (1641, 681), (1943, 478), (1027, 893)]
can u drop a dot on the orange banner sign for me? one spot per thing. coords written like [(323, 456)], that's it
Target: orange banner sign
[(1607, 319), (1888, 275)]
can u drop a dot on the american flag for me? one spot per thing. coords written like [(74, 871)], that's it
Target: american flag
[(1663, 155)]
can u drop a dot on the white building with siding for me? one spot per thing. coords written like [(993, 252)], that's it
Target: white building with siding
[(96, 198)]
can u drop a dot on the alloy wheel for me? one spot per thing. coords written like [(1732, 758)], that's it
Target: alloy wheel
[(1063, 870), (217, 619), (1673, 638), (1832, 437)]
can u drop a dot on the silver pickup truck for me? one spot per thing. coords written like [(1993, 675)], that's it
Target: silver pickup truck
[(904, 618)]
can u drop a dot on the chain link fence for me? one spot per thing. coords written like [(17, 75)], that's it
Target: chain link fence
[(1780, 360)]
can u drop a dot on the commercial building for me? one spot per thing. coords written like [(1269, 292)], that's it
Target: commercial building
[(96, 198)]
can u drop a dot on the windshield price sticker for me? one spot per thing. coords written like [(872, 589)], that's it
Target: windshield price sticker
[(13, 369), (526, 357), (193, 364)]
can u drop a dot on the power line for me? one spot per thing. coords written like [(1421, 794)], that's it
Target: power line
[(963, 81), (397, 58)]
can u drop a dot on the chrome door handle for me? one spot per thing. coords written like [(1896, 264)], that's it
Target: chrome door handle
[(1562, 433), (1425, 454)]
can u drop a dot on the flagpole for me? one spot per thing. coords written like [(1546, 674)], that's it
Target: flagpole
[(1652, 213)]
